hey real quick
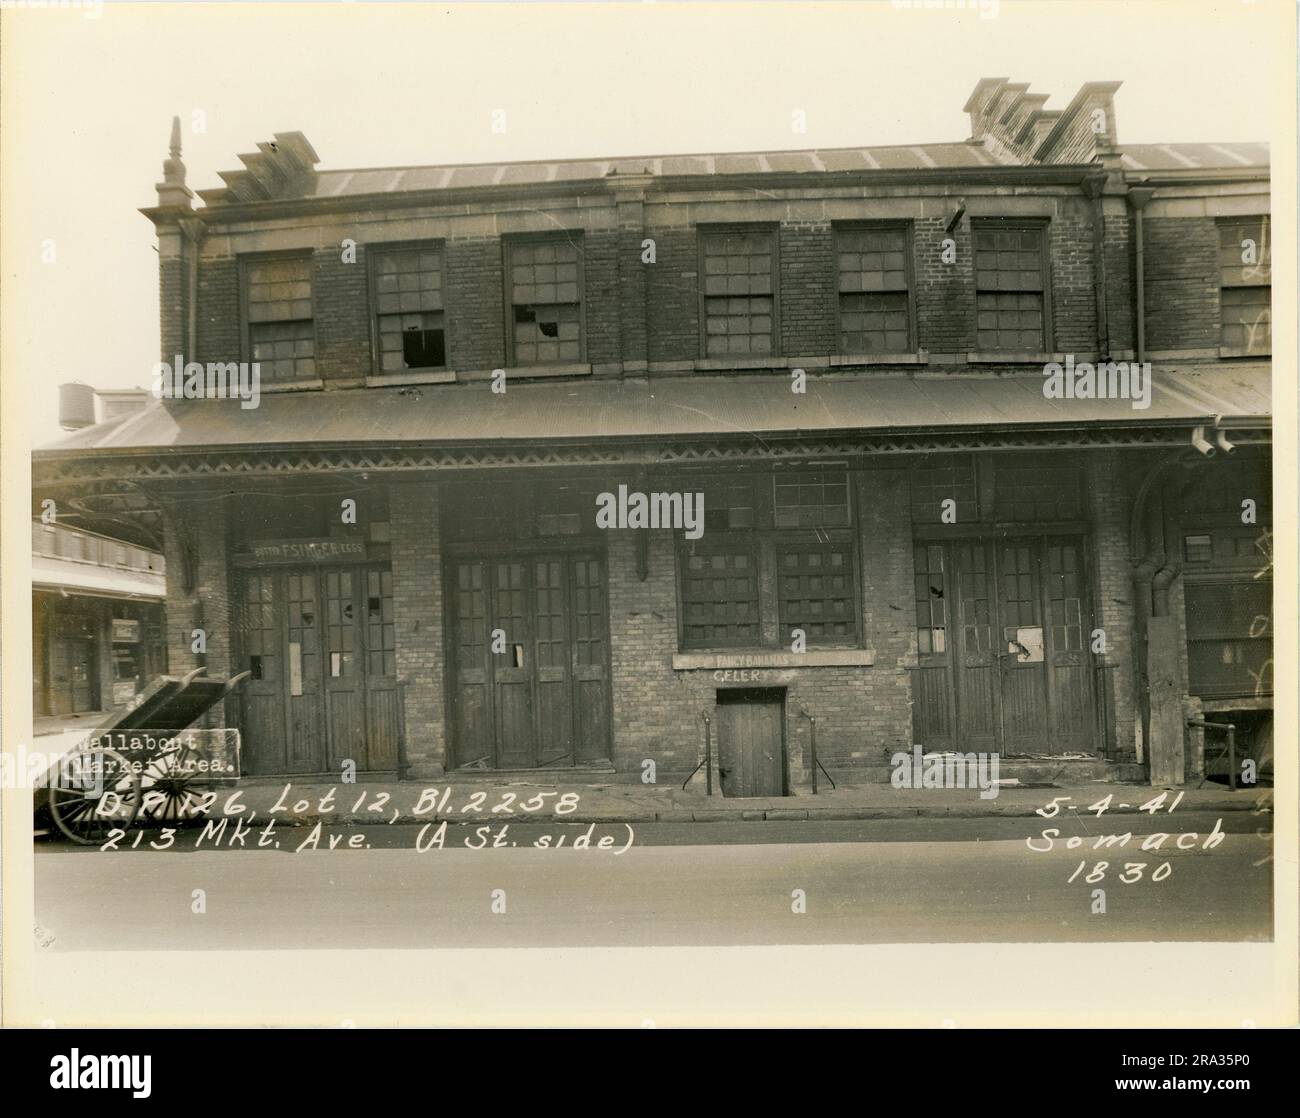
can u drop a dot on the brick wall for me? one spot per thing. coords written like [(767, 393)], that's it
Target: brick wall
[(1109, 482), (417, 607), (218, 311), (341, 309), (945, 293), (672, 289), (601, 296), (1074, 300), (1182, 282), (474, 303), (1118, 249), (808, 289)]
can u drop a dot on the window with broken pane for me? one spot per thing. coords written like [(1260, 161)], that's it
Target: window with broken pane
[(739, 293), (409, 310), (1245, 291), (545, 301), (278, 307)]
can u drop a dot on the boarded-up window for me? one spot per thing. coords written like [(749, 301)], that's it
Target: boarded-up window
[(546, 301), (1246, 277), (873, 290), (1010, 288), (281, 334), (739, 299), (1229, 638), (815, 594), (777, 555), (409, 311), (719, 597)]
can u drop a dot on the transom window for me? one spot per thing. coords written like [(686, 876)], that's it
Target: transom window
[(545, 282), (873, 271), (777, 565), (1010, 286), (408, 309), (1245, 292), (278, 310), (739, 268)]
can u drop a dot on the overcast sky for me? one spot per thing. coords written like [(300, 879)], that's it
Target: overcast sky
[(88, 102)]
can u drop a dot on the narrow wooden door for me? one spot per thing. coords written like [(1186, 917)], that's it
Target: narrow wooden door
[(513, 666), (343, 669), (1073, 713), (383, 697), (751, 743), (263, 694), (1021, 653), (305, 725)]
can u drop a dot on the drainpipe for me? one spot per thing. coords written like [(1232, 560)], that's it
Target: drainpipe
[(1138, 197), (1172, 565)]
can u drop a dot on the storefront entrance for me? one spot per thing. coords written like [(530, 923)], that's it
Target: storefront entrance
[(73, 670), (1003, 630), (321, 646), (529, 674)]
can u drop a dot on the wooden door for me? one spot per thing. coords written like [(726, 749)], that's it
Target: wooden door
[(1002, 628), (530, 661), (343, 666), (73, 667), (263, 695), (751, 743), (305, 715), (384, 719)]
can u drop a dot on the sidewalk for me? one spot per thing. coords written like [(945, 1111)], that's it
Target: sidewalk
[(636, 803)]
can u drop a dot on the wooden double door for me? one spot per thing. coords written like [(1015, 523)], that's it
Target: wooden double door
[(321, 645), (529, 672), (1004, 630)]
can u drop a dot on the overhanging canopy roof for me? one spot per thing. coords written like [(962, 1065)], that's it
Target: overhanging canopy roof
[(589, 410)]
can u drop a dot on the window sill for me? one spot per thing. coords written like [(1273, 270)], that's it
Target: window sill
[(739, 364), (813, 658), (317, 385), (1226, 351), (519, 372), (1022, 358), (917, 358), (431, 376)]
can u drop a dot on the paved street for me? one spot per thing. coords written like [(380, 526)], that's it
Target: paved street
[(871, 881)]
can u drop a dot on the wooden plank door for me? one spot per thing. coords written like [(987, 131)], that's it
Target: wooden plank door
[(552, 660), (1072, 709), (262, 696), (304, 722), (979, 695), (512, 668), (383, 697), (751, 743), (1022, 653), (343, 669), (590, 653), (933, 694), (473, 739)]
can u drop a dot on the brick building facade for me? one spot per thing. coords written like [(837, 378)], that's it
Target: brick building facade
[(907, 537)]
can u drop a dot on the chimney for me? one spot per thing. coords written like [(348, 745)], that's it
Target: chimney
[(1012, 123)]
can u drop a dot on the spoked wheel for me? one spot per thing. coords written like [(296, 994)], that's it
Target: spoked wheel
[(172, 785), (93, 791)]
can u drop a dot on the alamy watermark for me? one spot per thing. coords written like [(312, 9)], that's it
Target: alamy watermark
[(217, 380), (946, 770), (1109, 380), (632, 509)]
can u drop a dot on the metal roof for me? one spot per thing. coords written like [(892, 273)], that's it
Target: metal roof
[(669, 407)]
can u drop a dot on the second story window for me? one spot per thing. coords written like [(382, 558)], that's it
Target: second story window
[(1245, 291), (544, 278), (739, 268), (873, 268), (1010, 286), (410, 329), (278, 309)]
